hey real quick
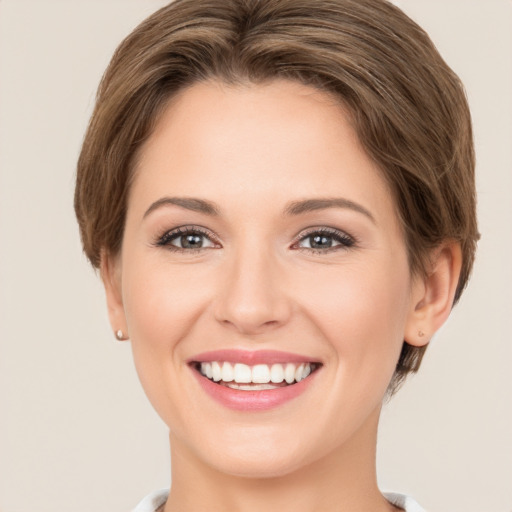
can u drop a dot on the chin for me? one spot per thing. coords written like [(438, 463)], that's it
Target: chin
[(258, 468), (271, 456)]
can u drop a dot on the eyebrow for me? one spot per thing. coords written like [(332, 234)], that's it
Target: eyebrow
[(293, 208), (188, 203), (310, 205)]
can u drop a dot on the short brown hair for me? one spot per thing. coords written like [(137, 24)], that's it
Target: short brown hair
[(408, 108)]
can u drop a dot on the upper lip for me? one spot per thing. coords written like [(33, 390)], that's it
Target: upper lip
[(251, 357)]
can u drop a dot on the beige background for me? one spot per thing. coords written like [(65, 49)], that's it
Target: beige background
[(76, 432)]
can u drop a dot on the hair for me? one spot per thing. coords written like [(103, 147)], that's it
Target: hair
[(407, 106)]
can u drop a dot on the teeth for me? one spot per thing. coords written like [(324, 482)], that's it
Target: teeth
[(289, 373), (277, 373), (261, 374), (216, 371), (206, 369), (243, 374), (251, 387), (228, 374), (298, 373)]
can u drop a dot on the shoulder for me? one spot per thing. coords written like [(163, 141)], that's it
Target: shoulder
[(152, 502), (406, 503)]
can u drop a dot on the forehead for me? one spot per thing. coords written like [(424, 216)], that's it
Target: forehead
[(275, 142)]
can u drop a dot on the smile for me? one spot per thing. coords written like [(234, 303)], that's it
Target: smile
[(250, 381), (258, 377)]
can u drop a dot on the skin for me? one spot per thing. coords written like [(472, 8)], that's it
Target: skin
[(256, 284)]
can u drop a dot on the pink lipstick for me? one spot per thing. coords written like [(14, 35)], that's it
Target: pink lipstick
[(253, 380)]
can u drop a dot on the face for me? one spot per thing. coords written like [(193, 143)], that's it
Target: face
[(262, 248)]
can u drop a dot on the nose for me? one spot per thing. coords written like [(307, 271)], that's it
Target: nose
[(251, 299)]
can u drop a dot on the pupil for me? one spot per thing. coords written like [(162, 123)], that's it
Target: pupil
[(191, 241), (320, 241)]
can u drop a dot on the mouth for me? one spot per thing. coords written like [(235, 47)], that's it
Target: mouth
[(258, 377), (251, 381)]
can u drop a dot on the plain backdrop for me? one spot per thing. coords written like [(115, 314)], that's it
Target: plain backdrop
[(76, 431)]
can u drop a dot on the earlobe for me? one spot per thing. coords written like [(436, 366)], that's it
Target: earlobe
[(433, 294), (110, 271)]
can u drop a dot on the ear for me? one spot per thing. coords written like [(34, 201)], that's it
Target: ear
[(433, 294), (110, 271)]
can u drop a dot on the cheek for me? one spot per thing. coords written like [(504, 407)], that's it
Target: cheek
[(361, 310), (162, 300), (164, 304)]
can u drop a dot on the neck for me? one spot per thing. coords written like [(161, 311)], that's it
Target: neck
[(341, 481)]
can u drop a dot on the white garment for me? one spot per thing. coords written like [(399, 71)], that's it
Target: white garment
[(156, 499), (403, 501)]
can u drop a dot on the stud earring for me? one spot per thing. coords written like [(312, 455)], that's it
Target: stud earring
[(421, 334), (120, 335)]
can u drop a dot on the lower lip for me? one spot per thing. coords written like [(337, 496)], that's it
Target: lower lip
[(261, 400)]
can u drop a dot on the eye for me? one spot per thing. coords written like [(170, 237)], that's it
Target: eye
[(187, 239), (324, 240)]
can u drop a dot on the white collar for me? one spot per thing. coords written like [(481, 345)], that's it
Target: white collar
[(156, 499)]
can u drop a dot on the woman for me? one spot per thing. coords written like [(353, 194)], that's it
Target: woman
[(279, 195)]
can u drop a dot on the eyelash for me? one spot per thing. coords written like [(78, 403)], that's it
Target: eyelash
[(344, 240), (169, 236)]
